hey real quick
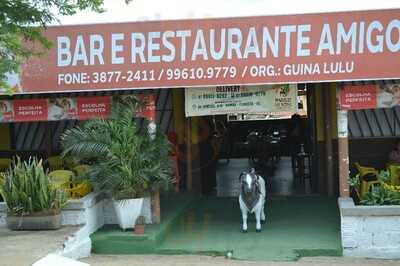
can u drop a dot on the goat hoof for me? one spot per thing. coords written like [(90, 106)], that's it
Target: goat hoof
[(263, 221), (244, 231), (258, 230)]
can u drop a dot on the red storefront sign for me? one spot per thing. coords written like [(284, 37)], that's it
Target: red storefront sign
[(358, 97), (30, 110), (369, 96), (253, 50), (94, 107), (81, 108)]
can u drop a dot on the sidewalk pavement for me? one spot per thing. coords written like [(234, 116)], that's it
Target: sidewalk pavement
[(190, 260), (22, 248)]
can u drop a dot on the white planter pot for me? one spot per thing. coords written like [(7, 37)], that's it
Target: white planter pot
[(128, 211)]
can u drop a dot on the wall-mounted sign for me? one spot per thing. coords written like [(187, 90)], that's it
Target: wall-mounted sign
[(208, 52), (94, 107), (80, 108), (149, 106), (240, 99), (369, 96), (343, 125), (358, 97), (62, 108), (6, 111), (30, 110)]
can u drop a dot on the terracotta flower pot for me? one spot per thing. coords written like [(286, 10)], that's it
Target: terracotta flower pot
[(139, 229)]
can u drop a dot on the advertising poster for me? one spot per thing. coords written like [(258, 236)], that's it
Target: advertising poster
[(358, 97), (62, 108), (388, 95), (30, 110), (240, 99), (94, 107), (355, 97), (343, 125), (6, 111), (149, 106), (55, 109)]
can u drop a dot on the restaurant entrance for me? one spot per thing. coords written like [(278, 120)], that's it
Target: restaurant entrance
[(280, 146)]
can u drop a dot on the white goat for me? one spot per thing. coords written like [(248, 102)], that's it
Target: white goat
[(252, 198)]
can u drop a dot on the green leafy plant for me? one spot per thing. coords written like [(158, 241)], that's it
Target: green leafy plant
[(384, 176), (354, 183), (380, 195), (126, 162), (27, 190)]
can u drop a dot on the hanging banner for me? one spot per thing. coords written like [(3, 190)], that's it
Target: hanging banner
[(62, 108), (388, 95), (54, 109), (240, 99), (94, 107), (355, 97), (30, 110), (338, 46), (149, 106), (6, 111), (358, 97)]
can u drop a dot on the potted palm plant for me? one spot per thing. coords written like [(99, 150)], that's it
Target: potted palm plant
[(33, 203), (128, 163)]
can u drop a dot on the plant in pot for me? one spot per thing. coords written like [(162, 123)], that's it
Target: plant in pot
[(128, 163), (33, 203), (140, 224)]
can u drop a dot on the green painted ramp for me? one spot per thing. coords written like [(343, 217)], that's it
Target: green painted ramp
[(296, 226)]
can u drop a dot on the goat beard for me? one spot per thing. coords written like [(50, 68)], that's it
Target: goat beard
[(250, 199)]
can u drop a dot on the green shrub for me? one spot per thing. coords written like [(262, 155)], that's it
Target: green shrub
[(127, 162), (384, 176), (27, 190), (381, 195)]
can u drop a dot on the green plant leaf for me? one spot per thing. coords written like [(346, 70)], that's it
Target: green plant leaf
[(127, 161)]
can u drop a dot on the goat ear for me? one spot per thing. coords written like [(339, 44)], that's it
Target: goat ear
[(241, 174)]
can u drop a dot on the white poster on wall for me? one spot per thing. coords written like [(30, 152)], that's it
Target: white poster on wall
[(240, 99), (342, 123)]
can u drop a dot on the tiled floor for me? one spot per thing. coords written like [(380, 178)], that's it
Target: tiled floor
[(280, 183), (296, 226)]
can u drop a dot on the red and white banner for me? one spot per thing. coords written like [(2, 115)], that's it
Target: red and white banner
[(227, 51), (80, 108), (369, 96), (149, 106), (94, 107), (30, 110), (358, 97)]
